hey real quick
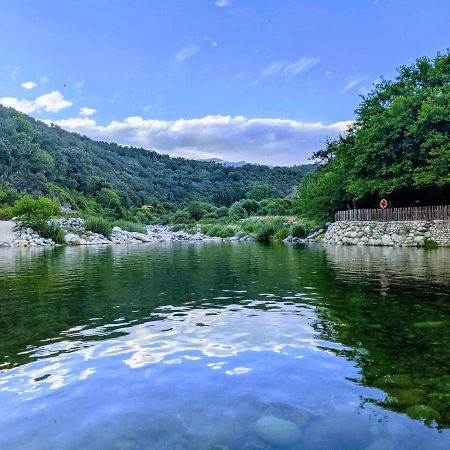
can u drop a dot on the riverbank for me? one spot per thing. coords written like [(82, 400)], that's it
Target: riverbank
[(416, 233)]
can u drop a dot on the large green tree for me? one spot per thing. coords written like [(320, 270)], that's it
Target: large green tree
[(398, 145)]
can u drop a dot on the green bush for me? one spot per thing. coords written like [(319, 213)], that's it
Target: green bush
[(222, 211), (298, 230), (29, 209), (6, 212), (99, 225), (179, 226), (237, 212), (218, 230), (198, 209), (265, 232), (47, 231), (181, 216), (279, 235), (128, 225), (430, 244)]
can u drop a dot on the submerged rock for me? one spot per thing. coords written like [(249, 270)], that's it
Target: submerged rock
[(277, 431)]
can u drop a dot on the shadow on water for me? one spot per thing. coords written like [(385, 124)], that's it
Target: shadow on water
[(321, 332)]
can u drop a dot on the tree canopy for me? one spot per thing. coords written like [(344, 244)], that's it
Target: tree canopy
[(398, 146)]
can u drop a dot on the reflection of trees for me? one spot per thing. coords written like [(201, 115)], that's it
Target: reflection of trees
[(388, 306), (395, 315)]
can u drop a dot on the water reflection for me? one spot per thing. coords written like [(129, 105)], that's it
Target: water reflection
[(239, 346)]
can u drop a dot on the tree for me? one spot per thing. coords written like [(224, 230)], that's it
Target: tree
[(398, 146), (260, 192)]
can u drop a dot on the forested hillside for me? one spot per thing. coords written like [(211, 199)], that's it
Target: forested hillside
[(42, 160)]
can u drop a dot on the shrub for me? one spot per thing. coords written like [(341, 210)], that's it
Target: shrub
[(128, 225), (260, 192), (30, 209), (298, 230), (179, 226), (181, 216), (280, 235), (237, 212), (430, 244), (198, 209), (250, 205), (6, 212), (98, 225), (265, 232), (222, 211), (48, 231), (218, 231)]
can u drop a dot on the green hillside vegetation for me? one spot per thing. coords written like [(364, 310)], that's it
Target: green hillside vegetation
[(398, 147), (98, 178)]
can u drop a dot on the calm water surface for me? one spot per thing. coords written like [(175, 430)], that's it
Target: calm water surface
[(224, 346)]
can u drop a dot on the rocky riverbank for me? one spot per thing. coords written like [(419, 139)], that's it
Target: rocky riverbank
[(76, 234), (393, 234)]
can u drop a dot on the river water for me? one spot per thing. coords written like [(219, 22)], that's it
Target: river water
[(224, 346)]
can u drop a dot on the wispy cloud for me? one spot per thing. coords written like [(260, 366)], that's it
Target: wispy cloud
[(79, 85), (29, 85), (354, 83), (51, 102), (15, 73), (185, 53), (269, 141), (286, 69), (223, 3), (85, 111)]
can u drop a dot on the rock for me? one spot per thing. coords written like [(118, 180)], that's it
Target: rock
[(386, 239), (277, 431), (141, 237)]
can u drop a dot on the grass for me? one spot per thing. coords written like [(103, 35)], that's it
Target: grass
[(127, 225), (99, 225)]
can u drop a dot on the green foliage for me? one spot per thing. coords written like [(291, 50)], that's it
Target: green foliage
[(181, 216), (237, 212), (179, 226), (127, 225), (250, 205), (265, 232), (47, 231), (260, 192), (322, 194), (430, 244), (398, 146), (30, 209), (6, 212), (217, 230), (298, 230), (197, 209), (34, 158), (99, 225), (279, 235)]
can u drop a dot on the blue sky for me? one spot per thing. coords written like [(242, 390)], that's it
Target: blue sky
[(257, 80)]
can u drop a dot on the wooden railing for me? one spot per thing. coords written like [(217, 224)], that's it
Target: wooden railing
[(396, 214)]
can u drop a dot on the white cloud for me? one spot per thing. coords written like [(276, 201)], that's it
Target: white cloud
[(85, 111), (269, 141), (29, 85), (286, 69), (51, 102), (354, 83), (185, 53), (223, 3)]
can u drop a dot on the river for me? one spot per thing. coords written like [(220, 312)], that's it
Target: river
[(224, 346)]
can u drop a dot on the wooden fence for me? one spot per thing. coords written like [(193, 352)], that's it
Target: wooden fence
[(396, 214)]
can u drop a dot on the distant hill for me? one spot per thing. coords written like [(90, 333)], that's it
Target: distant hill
[(40, 159)]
